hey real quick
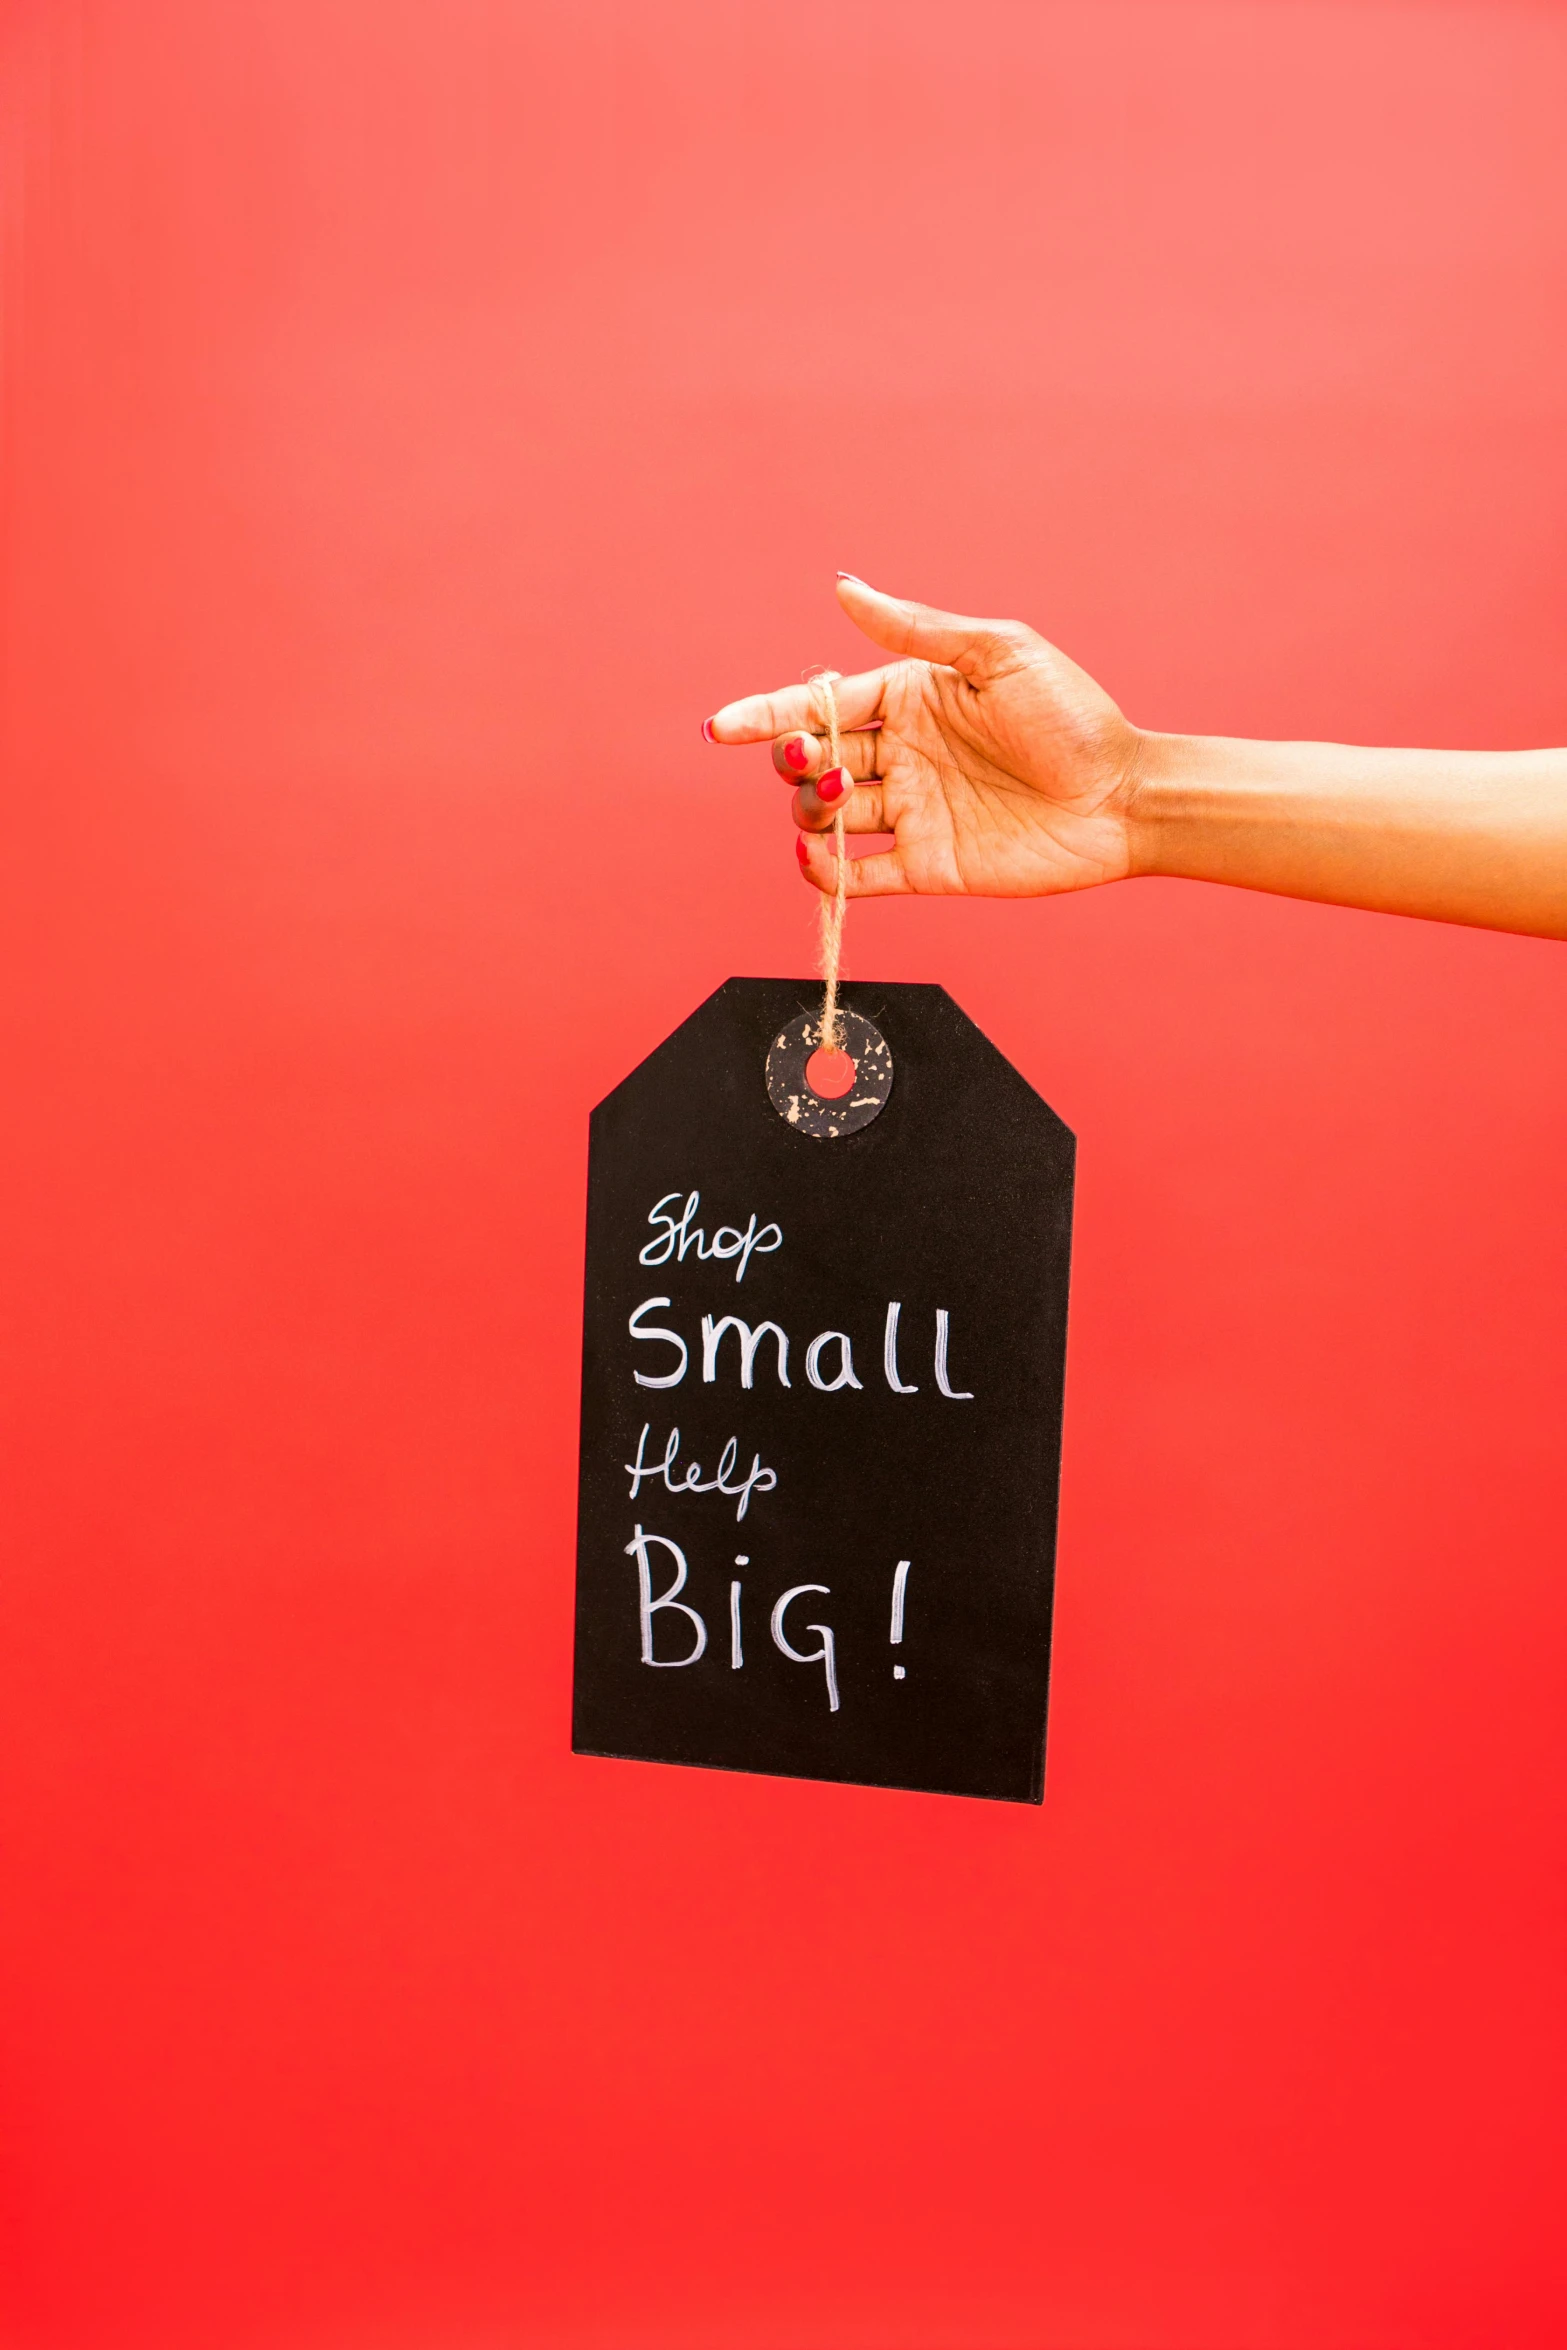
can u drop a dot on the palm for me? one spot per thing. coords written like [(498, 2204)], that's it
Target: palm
[(1007, 790)]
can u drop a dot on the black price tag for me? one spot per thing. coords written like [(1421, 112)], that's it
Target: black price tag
[(821, 1400)]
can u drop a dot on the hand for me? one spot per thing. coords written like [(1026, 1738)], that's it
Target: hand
[(998, 766)]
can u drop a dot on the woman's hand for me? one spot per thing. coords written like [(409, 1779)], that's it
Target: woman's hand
[(999, 768)]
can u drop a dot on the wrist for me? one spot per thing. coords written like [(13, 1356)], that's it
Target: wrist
[(1157, 771)]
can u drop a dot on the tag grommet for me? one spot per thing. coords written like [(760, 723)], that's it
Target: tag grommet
[(830, 1114)]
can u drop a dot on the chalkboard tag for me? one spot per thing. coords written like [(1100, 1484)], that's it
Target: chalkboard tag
[(821, 1399)]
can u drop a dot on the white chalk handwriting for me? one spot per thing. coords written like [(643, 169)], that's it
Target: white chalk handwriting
[(749, 1345), (678, 1234), (643, 1471), (669, 1602)]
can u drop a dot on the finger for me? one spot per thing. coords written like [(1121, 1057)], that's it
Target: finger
[(759, 716), (862, 810), (800, 757), (881, 876), (974, 647)]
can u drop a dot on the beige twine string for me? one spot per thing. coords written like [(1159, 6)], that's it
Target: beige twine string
[(833, 909)]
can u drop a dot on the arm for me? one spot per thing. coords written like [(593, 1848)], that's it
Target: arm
[(1459, 836), (1000, 769)]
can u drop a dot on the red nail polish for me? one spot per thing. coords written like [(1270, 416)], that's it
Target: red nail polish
[(708, 736), (800, 848), (832, 785), (796, 753)]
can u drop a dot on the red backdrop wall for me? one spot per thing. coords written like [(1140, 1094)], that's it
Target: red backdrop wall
[(417, 418)]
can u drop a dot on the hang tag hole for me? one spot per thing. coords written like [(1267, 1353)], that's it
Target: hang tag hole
[(829, 1075), (827, 1095)]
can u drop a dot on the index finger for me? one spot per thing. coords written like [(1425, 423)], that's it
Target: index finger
[(761, 716)]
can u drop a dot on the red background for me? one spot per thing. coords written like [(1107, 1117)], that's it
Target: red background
[(418, 416)]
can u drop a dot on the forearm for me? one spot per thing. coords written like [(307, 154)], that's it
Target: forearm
[(1457, 836)]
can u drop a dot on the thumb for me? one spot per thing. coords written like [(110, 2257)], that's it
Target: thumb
[(921, 633)]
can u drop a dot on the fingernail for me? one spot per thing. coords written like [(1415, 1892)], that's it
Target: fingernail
[(832, 785), (800, 848), (855, 580), (796, 753), (708, 736)]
